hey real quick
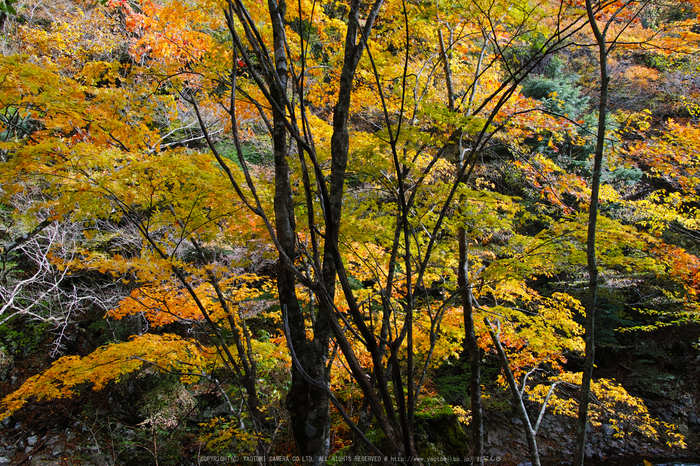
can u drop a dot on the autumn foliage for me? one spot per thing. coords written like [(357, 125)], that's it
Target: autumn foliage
[(163, 133)]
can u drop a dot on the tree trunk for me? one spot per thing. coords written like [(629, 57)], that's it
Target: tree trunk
[(307, 405), (530, 432), (471, 344), (471, 348), (590, 243)]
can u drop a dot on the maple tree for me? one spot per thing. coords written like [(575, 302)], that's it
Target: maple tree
[(329, 263), (392, 242)]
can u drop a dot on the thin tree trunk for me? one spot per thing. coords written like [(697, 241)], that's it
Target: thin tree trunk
[(471, 348), (530, 432), (471, 345), (590, 243)]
